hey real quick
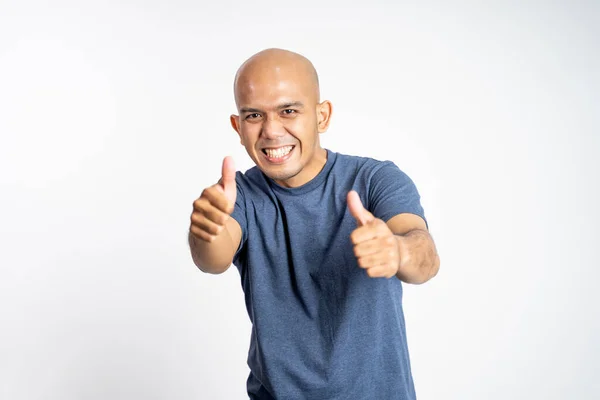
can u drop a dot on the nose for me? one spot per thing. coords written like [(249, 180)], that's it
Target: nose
[(272, 128)]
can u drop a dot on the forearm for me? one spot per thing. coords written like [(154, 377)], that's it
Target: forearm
[(419, 260), (212, 257)]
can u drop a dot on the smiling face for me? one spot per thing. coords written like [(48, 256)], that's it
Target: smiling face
[(280, 117)]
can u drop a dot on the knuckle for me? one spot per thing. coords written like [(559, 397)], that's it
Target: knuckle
[(213, 229), (208, 194), (198, 219), (217, 218), (200, 234), (200, 204), (209, 218), (204, 235), (223, 220)]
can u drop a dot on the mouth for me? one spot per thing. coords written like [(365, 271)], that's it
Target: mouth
[(278, 155)]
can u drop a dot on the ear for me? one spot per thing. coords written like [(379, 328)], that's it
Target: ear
[(323, 115), (235, 124)]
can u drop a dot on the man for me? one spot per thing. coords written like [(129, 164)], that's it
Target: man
[(322, 242)]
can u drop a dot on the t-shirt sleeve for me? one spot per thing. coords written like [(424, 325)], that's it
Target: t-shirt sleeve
[(239, 214), (392, 192)]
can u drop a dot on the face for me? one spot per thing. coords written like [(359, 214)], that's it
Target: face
[(279, 123)]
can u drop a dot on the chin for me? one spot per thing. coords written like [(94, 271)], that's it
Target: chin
[(281, 175)]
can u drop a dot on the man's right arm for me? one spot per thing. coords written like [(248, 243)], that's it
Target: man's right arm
[(216, 256), (214, 235)]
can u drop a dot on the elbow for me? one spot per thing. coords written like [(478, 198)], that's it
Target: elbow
[(433, 270), (208, 267), (209, 257), (212, 269), (428, 273)]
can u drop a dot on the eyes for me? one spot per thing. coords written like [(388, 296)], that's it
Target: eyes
[(287, 112)]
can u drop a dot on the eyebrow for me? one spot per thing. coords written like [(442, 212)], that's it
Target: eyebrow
[(297, 104)]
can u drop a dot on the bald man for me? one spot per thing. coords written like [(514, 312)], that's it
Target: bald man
[(322, 241)]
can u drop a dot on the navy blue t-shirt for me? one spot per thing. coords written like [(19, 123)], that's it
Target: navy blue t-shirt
[(321, 327)]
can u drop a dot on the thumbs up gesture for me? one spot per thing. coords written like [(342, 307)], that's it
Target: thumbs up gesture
[(215, 205), (375, 245), (227, 181)]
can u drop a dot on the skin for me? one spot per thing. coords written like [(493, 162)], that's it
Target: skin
[(277, 97), (402, 247)]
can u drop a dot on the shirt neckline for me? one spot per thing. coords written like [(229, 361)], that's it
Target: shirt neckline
[(310, 185)]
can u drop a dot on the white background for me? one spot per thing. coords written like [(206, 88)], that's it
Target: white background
[(114, 117)]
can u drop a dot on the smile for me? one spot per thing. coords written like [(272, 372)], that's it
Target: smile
[(279, 154)]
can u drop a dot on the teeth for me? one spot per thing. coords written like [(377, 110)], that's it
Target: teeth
[(278, 153)]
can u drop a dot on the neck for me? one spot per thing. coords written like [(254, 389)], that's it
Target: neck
[(309, 172)]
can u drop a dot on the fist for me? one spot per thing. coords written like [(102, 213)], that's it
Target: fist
[(215, 205), (375, 245)]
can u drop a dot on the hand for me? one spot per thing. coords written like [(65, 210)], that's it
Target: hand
[(375, 245), (214, 207)]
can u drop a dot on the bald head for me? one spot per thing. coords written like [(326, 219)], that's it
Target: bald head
[(273, 67), (280, 115)]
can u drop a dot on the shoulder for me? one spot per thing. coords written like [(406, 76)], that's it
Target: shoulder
[(251, 183), (248, 176), (368, 167)]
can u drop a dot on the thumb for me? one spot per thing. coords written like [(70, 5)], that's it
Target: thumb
[(228, 178), (357, 210)]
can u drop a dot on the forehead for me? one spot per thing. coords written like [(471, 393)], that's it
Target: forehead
[(272, 88)]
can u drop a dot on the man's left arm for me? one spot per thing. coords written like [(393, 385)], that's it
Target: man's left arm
[(418, 257), (402, 247)]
